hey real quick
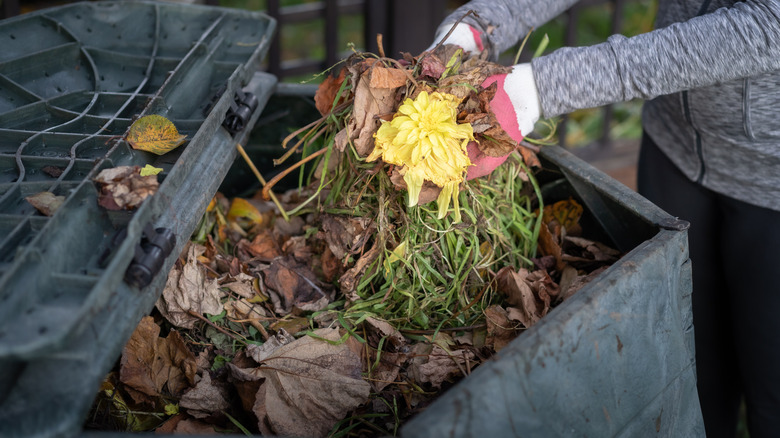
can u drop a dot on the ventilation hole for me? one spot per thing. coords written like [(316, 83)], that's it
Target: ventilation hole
[(42, 330), (12, 36)]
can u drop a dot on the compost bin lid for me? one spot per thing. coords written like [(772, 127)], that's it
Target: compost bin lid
[(72, 81)]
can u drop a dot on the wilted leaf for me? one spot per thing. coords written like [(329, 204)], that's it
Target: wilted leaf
[(327, 91), (567, 213), (46, 202), (349, 280), (500, 329), (244, 213), (308, 386), (150, 170), (386, 364), (549, 246), (242, 285), (188, 289), (583, 251), (155, 134), (151, 364), (205, 399), (183, 424), (263, 246), (529, 292), (52, 171), (261, 352), (492, 140), (346, 235), (434, 365), (382, 77), (370, 104), (292, 284), (123, 187)]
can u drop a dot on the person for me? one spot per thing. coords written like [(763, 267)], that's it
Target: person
[(710, 154)]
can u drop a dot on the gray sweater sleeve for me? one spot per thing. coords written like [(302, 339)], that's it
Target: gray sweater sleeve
[(733, 42), (508, 20)]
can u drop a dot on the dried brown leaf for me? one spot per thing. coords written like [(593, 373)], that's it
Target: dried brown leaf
[(369, 105), (500, 329), (261, 352), (327, 91), (346, 235), (530, 294), (123, 187), (53, 171), (349, 280), (189, 290), (307, 386), (434, 365), (205, 399), (151, 364), (383, 77), (293, 285), (45, 202)]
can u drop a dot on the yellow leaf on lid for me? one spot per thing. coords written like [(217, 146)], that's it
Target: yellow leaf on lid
[(154, 134)]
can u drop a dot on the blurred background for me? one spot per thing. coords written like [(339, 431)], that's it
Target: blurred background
[(314, 35)]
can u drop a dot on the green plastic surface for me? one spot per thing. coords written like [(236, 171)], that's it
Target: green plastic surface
[(72, 80)]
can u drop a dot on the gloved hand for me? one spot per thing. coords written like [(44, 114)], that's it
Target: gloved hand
[(517, 108), (465, 36)]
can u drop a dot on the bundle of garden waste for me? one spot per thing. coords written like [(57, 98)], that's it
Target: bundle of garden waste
[(346, 305)]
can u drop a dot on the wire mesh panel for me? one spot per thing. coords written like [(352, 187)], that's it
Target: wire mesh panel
[(73, 79)]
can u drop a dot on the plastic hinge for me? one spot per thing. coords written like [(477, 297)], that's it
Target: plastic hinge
[(155, 246), (240, 111)]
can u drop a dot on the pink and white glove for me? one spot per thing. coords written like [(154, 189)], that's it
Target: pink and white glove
[(465, 36), (517, 108)]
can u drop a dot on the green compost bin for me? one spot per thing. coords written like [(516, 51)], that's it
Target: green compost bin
[(614, 360), (73, 285)]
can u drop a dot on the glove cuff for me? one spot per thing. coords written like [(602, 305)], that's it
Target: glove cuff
[(520, 87), (465, 36)]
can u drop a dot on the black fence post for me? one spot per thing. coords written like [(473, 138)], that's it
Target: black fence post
[(402, 30)]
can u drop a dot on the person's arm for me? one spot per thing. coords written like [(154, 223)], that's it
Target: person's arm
[(730, 43), (505, 22)]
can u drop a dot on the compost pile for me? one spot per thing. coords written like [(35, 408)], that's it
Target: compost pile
[(346, 305)]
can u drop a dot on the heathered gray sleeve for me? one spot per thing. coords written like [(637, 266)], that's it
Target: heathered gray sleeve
[(510, 20), (730, 43)]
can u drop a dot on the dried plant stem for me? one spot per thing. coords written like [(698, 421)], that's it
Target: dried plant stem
[(267, 189), (310, 127), (261, 179), (216, 327)]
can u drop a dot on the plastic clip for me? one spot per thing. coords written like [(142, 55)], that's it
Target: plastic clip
[(240, 111), (150, 254)]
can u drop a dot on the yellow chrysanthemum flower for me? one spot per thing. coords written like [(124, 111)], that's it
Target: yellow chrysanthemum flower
[(425, 138)]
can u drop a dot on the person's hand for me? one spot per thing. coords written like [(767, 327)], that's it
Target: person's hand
[(463, 35), (517, 108)]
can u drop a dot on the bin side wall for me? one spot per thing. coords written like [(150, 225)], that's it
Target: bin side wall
[(614, 360)]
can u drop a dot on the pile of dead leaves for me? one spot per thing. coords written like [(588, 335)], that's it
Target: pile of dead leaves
[(351, 312)]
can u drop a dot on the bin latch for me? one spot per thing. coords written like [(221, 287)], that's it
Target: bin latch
[(150, 254), (240, 111)]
